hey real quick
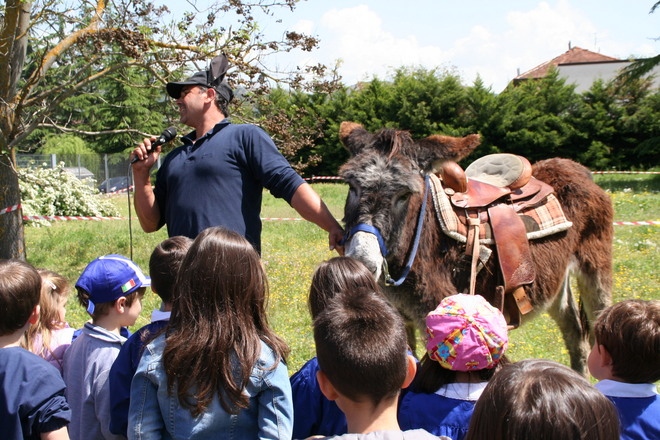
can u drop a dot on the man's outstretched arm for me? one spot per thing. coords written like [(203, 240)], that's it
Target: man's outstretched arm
[(310, 206)]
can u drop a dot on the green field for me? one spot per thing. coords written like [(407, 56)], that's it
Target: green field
[(292, 249)]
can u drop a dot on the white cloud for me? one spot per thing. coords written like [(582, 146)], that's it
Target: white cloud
[(494, 41), (527, 39), (304, 27), (357, 38)]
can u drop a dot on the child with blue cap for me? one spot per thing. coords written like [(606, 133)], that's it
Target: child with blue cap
[(111, 289)]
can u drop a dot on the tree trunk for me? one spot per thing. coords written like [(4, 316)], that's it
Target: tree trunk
[(12, 244)]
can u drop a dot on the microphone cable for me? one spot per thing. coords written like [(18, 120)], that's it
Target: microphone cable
[(129, 174)]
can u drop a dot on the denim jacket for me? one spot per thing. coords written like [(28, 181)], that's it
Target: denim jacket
[(155, 414)]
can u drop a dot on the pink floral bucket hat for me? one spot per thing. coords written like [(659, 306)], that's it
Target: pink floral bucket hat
[(466, 333)]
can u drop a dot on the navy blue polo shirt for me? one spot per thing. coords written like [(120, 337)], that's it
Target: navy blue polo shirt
[(219, 179), (32, 398)]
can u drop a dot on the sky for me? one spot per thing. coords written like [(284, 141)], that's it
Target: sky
[(496, 40)]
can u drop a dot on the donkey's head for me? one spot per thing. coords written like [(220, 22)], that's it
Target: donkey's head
[(385, 175)]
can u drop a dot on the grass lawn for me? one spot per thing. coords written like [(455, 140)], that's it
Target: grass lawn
[(292, 250)]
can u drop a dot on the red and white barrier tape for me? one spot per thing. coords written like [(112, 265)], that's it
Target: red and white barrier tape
[(625, 172), (55, 217), (270, 219), (315, 178), (67, 217), (642, 223), (10, 209)]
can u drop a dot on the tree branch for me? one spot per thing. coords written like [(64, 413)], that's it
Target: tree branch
[(53, 54)]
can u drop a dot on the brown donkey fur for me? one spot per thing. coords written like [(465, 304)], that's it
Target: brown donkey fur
[(386, 179)]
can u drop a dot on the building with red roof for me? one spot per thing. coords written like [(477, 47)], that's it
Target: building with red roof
[(581, 67)]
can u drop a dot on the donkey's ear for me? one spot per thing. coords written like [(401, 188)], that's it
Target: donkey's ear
[(442, 148), (353, 136)]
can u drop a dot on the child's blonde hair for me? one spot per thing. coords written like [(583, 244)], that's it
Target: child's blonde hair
[(54, 289)]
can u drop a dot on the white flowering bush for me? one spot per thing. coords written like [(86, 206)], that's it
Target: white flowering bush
[(48, 191)]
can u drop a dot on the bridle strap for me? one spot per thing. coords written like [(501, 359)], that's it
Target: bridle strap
[(418, 234)]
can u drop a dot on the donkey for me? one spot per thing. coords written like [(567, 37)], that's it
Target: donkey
[(387, 205)]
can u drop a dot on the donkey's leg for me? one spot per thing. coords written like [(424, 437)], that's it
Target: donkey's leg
[(594, 277), (564, 311), (593, 253), (595, 295)]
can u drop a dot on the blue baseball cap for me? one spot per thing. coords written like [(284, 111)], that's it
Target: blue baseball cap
[(110, 277)]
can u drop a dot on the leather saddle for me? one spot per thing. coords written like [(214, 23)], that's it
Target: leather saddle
[(489, 193)]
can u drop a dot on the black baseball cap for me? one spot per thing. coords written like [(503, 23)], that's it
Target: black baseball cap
[(199, 79)]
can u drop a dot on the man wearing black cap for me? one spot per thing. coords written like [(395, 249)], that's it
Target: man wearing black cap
[(217, 176)]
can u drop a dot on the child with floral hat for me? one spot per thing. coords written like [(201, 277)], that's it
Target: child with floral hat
[(466, 341)]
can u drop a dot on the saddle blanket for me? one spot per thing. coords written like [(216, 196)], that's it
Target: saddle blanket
[(543, 219)]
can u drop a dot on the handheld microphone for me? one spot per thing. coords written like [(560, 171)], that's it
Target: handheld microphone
[(167, 135)]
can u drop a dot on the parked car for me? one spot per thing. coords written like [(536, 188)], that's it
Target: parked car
[(114, 184), (81, 173)]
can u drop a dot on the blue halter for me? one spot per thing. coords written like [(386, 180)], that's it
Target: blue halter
[(363, 227)]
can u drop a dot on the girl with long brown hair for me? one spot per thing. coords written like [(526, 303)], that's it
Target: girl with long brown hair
[(219, 368)]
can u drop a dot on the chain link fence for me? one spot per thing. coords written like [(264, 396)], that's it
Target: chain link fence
[(94, 168)]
